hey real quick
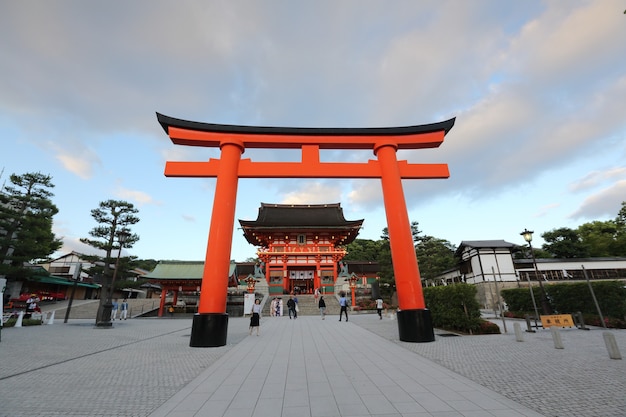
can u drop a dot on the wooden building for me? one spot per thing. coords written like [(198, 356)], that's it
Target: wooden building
[(180, 281), (300, 245)]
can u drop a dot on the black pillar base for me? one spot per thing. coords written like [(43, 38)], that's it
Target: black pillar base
[(415, 326), (209, 330)]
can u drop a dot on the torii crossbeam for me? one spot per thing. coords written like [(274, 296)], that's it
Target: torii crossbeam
[(210, 324)]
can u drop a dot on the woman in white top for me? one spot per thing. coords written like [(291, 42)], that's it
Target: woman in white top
[(256, 316)]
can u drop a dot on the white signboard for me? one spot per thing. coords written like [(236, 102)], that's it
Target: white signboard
[(248, 301)]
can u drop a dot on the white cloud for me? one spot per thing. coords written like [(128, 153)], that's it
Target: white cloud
[(543, 211), (605, 203), (313, 193), (77, 159), (138, 197), (538, 89), (596, 178), (189, 218)]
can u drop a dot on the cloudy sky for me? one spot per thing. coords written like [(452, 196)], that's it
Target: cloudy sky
[(538, 89)]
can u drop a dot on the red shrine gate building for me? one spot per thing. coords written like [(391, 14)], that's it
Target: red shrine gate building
[(300, 245)]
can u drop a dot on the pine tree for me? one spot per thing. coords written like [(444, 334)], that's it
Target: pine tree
[(26, 212), (114, 218)]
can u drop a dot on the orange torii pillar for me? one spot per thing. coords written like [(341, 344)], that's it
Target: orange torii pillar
[(210, 325)]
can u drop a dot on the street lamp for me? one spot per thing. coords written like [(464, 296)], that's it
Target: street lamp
[(105, 319), (545, 307)]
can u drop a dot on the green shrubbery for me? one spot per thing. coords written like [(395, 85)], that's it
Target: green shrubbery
[(572, 298), (25, 322), (454, 307)]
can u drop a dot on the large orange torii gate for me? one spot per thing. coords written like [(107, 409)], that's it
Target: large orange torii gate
[(210, 325)]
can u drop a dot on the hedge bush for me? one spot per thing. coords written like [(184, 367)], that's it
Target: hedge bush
[(574, 297), (454, 307), (25, 322)]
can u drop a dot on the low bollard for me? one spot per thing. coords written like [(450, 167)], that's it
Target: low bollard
[(519, 336), (528, 325), (611, 345), (579, 320), (556, 337), (20, 318), (50, 318)]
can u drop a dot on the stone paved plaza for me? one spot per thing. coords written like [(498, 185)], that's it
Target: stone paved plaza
[(304, 367)]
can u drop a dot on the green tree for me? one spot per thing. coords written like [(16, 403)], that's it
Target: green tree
[(415, 232), (373, 250), (599, 238), (26, 212), (363, 250), (434, 256), (145, 264), (564, 243), (114, 218), (620, 236)]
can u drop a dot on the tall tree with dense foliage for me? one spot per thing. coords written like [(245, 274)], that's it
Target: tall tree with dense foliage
[(114, 217), (599, 238), (26, 212), (620, 236), (564, 243), (434, 256)]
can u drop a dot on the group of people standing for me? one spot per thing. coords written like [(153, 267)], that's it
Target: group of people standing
[(292, 307), (123, 307)]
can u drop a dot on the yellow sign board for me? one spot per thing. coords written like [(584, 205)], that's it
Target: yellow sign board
[(557, 320)]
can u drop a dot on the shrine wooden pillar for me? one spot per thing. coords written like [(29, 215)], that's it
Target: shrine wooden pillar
[(210, 325), (412, 315), (162, 303)]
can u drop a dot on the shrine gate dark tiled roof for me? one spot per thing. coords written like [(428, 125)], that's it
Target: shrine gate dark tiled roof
[(305, 216), (166, 122)]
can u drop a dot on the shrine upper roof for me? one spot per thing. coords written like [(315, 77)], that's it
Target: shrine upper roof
[(300, 216), (186, 132), (167, 121)]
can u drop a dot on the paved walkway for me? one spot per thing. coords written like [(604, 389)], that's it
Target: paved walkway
[(304, 367)]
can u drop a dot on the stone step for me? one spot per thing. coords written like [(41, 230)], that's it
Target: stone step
[(307, 305)]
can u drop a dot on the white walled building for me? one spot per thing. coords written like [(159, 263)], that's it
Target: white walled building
[(491, 266)]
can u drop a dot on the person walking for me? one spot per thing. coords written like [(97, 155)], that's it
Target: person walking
[(273, 307), (291, 306), (379, 307), (114, 309), (296, 308), (124, 309), (343, 303), (255, 318), (322, 305)]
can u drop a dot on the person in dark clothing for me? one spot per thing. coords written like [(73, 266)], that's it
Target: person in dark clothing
[(343, 303), (291, 306), (322, 305), (255, 316)]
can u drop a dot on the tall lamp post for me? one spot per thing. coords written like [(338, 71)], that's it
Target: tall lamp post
[(545, 307), (105, 319)]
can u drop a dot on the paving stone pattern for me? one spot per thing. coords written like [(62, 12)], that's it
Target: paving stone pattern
[(579, 380), (144, 367)]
